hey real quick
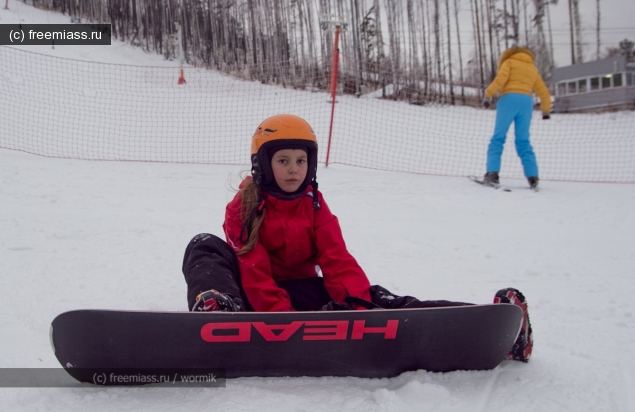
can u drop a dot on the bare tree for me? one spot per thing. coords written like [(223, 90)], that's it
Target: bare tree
[(447, 13), (516, 19), (505, 18), (554, 2), (394, 47), (490, 29), (625, 48), (541, 43), (425, 43), (437, 45), (458, 37), (578, 30), (479, 48), (597, 29)]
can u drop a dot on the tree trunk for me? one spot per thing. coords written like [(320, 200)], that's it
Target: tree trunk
[(597, 29), (458, 38), (480, 52), (447, 9)]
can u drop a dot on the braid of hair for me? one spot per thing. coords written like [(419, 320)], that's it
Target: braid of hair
[(252, 214)]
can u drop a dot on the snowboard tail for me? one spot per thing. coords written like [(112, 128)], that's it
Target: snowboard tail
[(369, 344)]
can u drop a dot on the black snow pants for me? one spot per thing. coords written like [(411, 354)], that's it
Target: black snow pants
[(210, 263)]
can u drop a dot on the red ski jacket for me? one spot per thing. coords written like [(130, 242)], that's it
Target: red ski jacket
[(293, 240)]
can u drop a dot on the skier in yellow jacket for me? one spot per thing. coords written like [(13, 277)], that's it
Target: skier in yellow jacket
[(516, 80)]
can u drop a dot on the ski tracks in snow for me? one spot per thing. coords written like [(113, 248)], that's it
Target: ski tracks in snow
[(487, 393)]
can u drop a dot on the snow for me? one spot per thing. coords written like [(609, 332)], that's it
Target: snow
[(89, 234)]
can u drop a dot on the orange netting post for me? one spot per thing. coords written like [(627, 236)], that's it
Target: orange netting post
[(334, 68)]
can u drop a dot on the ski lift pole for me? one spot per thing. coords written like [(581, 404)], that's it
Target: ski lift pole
[(335, 60), (181, 54), (334, 69)]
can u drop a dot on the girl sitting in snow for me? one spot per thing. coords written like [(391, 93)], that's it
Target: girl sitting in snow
[(285, 250)]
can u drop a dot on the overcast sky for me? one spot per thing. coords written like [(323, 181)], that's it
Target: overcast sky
[(617, 22)]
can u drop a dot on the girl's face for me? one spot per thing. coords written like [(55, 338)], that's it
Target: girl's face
[(289, 168)]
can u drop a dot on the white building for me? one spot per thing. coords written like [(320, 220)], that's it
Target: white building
[(601, 84)]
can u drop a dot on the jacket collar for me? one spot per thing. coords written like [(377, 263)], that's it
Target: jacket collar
[(512, 51), (271, 194)]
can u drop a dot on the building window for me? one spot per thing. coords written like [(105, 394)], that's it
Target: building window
[(617, 80), (562, 89), (595, 83), (629, 79), (606, 81), (582, 86), (571, 89)]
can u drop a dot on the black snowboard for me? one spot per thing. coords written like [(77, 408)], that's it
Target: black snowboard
[(371, 344)]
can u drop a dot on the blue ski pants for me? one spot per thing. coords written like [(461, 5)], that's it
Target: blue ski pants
[(517, 108)]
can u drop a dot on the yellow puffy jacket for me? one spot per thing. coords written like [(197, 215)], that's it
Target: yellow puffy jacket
[(517, 73)]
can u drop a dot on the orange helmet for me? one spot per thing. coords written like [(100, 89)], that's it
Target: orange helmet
[(281, 127), (282, 131)]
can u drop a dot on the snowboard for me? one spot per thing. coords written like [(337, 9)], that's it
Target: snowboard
[(361, 343)]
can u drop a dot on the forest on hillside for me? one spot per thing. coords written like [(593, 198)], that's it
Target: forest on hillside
[(415, 46)]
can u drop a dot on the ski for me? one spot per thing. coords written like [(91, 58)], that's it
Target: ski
[(488, 184)]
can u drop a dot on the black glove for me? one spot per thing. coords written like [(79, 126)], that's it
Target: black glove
[(355, 302), (546, 117), (212, 301), (333, 305), (487, 102)]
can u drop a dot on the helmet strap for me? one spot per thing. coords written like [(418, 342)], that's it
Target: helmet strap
[(316, 201)]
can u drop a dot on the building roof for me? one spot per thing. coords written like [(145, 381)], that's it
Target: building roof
[(600, 67)]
